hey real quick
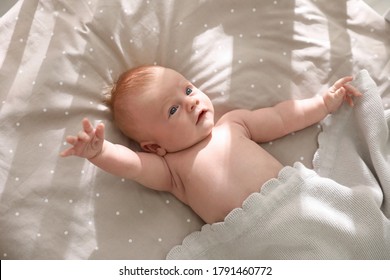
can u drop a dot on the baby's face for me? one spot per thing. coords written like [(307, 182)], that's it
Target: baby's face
[(176, 114)]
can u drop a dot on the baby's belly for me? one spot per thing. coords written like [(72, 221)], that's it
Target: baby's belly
[(217, 196)]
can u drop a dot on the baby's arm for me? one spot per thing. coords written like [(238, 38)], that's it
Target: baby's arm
[(147, 169), (267, 124)]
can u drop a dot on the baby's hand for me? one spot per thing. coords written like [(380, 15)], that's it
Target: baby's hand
[(339, 92), (88, 143)]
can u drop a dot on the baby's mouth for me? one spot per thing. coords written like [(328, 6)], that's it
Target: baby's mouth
[(202, 113)]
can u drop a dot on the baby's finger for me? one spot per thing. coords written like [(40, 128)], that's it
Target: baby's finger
[(351, 90), (349, 100), (100, 131), (71, 140), (341, 82), (67, 152), (88, 128), (83, 136), (340, 92)]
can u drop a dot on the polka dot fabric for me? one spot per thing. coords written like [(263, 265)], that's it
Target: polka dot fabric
[(58, 57)]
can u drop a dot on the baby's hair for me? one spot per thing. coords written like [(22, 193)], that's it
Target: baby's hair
[(130, 83)]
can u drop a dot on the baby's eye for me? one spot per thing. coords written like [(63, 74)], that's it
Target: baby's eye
[(172, 110), (188, 91)]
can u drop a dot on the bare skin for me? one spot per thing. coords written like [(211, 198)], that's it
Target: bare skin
[(211, 167)]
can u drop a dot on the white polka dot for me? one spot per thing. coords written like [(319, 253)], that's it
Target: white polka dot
[(11, 151), (159, 240), (232, 10), (97, 194), (261, 60), (279, 86), (21, 40), (130, 240), (239, 61), (123, 180), (281, 22), (44, 110), (241, 35), (66, 232), (117, 213), (51, 171), (84, 76), (271, 143), (258, 35), (141, 211), (61, 83), (275, 2), (5, 255), (176, 51), (17, 179), (46, 200), (66, 113), (101, 11), (33, 83), (301, 158), (252, 86), (167, 201), (254, 10), (18, 124), (38, 234), (91, 49), (188, 220), (70, 201), (17, 214), (205, 25)]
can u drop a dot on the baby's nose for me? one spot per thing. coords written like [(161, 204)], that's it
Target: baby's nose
[(192, 103)]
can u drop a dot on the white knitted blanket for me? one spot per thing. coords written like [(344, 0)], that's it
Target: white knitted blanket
[(338, 211)]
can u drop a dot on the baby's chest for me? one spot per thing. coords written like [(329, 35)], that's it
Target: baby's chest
[(222, 161)]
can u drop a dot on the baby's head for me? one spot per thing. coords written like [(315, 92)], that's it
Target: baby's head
[(160, 109)]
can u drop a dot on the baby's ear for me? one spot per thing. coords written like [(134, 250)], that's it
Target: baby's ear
[(152, 147)]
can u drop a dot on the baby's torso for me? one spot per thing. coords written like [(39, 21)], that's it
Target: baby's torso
[(218, 174)]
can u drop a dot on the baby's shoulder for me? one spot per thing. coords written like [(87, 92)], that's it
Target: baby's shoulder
[(234, 117), (234, 121)]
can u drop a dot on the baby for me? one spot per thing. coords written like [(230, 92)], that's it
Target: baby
[(212, 167)]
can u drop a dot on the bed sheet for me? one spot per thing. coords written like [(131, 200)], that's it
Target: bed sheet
[(58, 58)]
